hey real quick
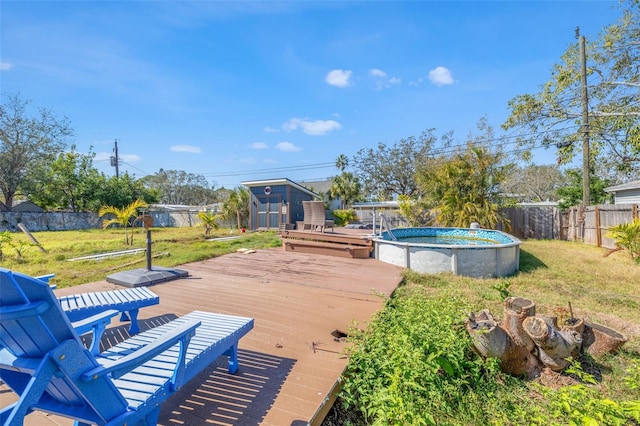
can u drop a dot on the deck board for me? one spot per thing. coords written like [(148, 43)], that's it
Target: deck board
[(296, 300)]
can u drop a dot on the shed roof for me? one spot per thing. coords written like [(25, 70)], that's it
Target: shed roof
[(623, 187), (280, 181)]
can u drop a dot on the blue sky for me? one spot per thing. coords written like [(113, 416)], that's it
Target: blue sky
[(240, 91)]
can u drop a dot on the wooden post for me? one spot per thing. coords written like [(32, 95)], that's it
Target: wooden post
[(598, 232), (31, 237)]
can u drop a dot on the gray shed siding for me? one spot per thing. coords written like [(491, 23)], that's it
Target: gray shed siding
[(629, 196)]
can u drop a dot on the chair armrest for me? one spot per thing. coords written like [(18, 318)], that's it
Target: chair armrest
[(123, 365), (97, 324), (25, 310), (45, 278), (89, 324)]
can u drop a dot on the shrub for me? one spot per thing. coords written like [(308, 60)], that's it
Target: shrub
[(627, 236), (343, 217)]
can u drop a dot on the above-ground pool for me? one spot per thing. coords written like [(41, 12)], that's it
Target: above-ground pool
[(480, 253)]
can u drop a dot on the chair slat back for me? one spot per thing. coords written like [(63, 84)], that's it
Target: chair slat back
[(34, 335), (36, 332)]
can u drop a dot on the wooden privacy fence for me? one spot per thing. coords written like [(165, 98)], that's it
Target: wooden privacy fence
[(588, 225), (537, 222)]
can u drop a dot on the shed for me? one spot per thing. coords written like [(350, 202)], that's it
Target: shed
[(276, 202), (627, 193)]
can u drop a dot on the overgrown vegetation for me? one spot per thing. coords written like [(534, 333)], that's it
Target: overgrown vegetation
[(627, 236), (344, 217), (413, 363), (171, 247)]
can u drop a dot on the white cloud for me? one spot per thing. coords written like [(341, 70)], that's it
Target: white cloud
[(271, 130), (287, 147), (313, 128), (186, 148), (130, 158), (259, 145), (339, 78), (440, 76), (382, 79), (5, 66)]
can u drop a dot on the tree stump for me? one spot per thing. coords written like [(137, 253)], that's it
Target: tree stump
[(526, 343)]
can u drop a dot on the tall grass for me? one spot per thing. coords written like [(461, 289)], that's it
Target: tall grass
[(172, 246)]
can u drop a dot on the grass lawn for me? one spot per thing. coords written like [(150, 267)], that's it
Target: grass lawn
[(172, 246)]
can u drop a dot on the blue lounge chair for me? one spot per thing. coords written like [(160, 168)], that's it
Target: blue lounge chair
[(127, 301), (43, 360)]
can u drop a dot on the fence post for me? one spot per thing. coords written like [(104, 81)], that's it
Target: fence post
[(598, 233)]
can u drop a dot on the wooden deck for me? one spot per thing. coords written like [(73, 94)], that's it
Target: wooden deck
[(289, 362)]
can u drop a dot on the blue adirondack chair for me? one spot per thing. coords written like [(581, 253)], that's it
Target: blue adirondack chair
[(44, 362), (127, 301)]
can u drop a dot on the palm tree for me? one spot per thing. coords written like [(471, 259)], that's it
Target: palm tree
[(237, 205), (346, 187), (209, 220), (342, 162), (121, 216)]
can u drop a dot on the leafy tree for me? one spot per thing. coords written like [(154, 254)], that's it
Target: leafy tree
[(465, 188), (27, 143), (571, 194), (534, 183), (69, 182), (121, 216), (389, 171), (123, 190), (415, 212), (346, 187), (180, 187), (553, 116), (237, 205)]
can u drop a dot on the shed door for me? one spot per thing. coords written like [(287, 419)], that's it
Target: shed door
[(269, 212)]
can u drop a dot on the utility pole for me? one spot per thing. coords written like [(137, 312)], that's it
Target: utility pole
[(115, 160), (586, 184)]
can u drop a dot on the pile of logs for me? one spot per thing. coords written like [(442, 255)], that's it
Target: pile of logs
[(526, 343)]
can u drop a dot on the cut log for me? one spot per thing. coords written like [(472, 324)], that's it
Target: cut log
[(516, 309), (600, 340), (493, 341), (555, 346), (526, 344)]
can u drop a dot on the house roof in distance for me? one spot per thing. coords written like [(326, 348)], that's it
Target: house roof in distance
[(625, 186)]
